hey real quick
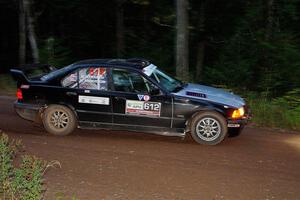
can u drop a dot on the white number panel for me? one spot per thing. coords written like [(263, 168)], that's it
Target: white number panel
[(143, 108)]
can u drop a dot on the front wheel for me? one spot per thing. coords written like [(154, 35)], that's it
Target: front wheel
[(208, 128), (59, 120)]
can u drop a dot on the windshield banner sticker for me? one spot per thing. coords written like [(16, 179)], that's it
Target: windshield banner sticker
[(143, 108), (143, 97), (93, 100), (149, 69)]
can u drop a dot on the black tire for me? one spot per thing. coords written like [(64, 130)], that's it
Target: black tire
[(209, 132), (59, 120), (234, 132)]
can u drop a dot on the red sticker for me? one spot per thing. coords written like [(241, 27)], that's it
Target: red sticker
[(97, 71), (146, 98), (92, 71), (102, 71)]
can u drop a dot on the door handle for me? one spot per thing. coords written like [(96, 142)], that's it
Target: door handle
[(120, 98), (71, 93)]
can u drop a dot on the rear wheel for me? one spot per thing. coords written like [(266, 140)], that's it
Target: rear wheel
[(208, 128), (59, 120)]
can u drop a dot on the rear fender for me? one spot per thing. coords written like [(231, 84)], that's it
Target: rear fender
[(70, 107), (62, 104)]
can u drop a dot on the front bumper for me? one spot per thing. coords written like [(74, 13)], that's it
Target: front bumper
[(236, 123), (27, 111)]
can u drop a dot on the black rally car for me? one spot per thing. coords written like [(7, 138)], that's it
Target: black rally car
[(130, 94)]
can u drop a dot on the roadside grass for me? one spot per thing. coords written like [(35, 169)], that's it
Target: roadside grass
[(7, 85), (22, 177), (282, 112)]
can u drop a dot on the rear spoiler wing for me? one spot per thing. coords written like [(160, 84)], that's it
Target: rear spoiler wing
[(20, 74)]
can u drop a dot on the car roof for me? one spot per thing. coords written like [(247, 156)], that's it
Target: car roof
[(137, 63), (131, 63)]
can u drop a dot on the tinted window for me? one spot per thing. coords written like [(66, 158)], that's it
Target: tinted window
[(165, 80), (127, 81), (70, 80)]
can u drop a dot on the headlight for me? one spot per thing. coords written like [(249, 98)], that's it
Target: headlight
[(238, 113)]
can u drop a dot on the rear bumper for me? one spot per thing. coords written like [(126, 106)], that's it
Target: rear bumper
[(27, 111)]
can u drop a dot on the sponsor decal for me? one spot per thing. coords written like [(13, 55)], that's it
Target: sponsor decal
[(146, 98), (93, 100), (143, 108), (140, 96), (143, 97), (99, 71), (233, 125), (196, 94)]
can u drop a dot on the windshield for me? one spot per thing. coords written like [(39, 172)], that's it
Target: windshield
[(168, 82)]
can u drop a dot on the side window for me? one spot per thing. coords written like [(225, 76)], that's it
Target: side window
[(127, 81), (70, 80), (93, 78)]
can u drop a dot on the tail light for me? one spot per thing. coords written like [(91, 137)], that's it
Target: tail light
[(19, 94)]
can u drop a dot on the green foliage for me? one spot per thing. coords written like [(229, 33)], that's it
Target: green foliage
[(23, 182), (54, 52), (7, 84), (291, 99), (141, 2), (27, 182), (258, 60), (281, 112), (8, 150)]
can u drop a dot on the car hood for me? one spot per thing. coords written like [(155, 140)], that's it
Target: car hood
[(216, 95)]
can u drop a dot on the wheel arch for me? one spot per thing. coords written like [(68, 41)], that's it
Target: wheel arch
[(200, 110), (71, 107)]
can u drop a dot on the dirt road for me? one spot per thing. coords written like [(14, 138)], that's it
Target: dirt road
[(259, 164)]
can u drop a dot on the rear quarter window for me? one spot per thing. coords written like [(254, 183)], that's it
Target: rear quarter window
[(93, 78), (70, 80)]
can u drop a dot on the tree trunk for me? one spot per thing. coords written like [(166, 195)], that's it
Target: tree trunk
[(22, 33), (200, 60), (31, 31), (201, 44), (269, 20), (182, 40), (120, 28)]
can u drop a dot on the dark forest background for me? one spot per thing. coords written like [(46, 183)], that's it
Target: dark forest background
[(252, 46)]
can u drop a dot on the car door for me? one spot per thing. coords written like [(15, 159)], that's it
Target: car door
[(135, 104), (88, 91)]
